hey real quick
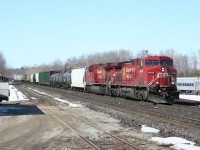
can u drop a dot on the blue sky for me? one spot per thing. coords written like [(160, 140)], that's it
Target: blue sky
[(36, 32)]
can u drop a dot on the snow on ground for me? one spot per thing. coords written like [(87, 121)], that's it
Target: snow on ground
[(16, 95), (69, 103), (40, 92), (178, 143), (58, 99), (190, 97), (147, 129)]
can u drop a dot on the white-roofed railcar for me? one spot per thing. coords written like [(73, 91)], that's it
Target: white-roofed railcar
[(78, 78), (188, 84)]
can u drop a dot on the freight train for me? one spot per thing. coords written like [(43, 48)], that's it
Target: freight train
[(152, 78)]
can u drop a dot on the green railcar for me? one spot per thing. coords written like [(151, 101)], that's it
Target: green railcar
[(41, 78), (47, 76)]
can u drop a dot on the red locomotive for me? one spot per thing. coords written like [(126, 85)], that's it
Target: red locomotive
[(152, 78)]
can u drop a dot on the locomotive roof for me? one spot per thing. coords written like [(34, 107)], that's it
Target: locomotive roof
[(158, 57), (130, 60)]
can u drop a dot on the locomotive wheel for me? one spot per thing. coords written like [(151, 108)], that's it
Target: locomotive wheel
[(141, 96), (114, 92), (137, 94), (87, 90)]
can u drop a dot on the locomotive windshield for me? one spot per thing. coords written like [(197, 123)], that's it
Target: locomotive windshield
[(151, 63), (166, 63), (157, 62)]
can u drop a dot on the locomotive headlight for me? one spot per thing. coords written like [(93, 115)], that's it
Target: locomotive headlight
[(163, 69), (157, 83), (172, 83)]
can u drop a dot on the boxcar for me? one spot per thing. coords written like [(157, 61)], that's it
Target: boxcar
[(36, 78), (41, 78), (78, 78), (47, 77)]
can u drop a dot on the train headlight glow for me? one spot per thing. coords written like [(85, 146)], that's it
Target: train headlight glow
[(163, 69), (172, 83), (157, 82)]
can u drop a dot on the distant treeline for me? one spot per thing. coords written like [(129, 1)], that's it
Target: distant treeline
[(186, 64)]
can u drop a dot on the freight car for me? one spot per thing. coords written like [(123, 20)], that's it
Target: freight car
[(44, 77), (78, 78), (60, 79)]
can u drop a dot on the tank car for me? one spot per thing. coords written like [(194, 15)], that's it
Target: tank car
[(56, 79), (152, 78), (66, 79)]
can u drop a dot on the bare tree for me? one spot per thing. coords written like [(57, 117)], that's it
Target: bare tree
[(143, 53), (194, 65), (2, 64), (124, 55), (57, 65), (168, 52)]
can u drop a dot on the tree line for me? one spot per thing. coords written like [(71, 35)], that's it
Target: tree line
[(187, 65)]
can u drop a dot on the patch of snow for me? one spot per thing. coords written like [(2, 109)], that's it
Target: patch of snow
[(16, 95), (190, 97), (69, 103), (149, 129), (75, 105), (179, 143), (40, 92), (185, 147), (58, 99)]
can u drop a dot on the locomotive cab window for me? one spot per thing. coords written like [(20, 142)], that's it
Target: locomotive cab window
[(151, 63), (166, 62)]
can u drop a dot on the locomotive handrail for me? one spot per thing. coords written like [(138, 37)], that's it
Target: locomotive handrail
[(151, 83)]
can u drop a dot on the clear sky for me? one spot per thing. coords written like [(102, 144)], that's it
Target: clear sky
[(40, 31)]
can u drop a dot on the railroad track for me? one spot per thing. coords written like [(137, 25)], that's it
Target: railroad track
[(182, 122), (191, 109), (116, 142)]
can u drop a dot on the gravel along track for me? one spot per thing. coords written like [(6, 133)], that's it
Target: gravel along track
[(61, 127), (175, 120)]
